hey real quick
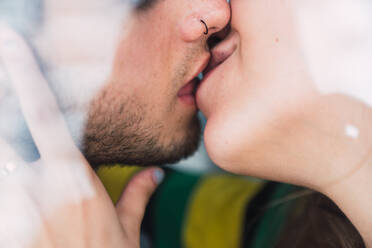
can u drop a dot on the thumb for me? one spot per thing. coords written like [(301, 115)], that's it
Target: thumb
[(132, 204)]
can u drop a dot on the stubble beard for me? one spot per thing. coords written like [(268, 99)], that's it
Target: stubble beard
[(123, 132)]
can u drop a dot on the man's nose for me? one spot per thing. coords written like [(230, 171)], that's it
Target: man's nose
[(208, 18)]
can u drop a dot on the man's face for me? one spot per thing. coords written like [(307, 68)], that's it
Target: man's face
[(146, 113)]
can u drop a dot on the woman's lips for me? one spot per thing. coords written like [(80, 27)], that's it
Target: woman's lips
[(221, 53), (214, 72)]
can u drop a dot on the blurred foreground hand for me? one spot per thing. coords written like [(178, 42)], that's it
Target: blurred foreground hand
[(58, 201)]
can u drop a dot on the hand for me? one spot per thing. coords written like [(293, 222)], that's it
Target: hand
[(58, 201), (54, 30)]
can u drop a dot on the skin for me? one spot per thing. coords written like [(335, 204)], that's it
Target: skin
[(60, 189), (269, 118), (29, 190), (134, 114)]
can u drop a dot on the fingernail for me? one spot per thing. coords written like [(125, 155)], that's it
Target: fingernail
[(158, 176)]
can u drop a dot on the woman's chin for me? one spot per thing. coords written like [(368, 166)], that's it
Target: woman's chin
[(223, 151), (239, 151)]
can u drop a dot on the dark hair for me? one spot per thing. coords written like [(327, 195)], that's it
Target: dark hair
[(320, 224)]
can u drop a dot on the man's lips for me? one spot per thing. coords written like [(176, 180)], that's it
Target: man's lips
[(189, 88)]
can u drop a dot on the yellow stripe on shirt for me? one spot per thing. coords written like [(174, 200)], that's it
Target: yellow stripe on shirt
[(216, 211), (115, 178)]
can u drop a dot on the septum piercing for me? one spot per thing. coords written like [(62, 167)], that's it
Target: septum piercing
[(206, 27)]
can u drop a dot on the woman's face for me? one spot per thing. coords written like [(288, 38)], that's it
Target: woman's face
[(260, 101)]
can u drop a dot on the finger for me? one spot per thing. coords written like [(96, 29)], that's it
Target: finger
[(38, 104), (132, 204)]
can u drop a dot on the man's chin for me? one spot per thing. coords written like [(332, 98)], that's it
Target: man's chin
[(142, 150)]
